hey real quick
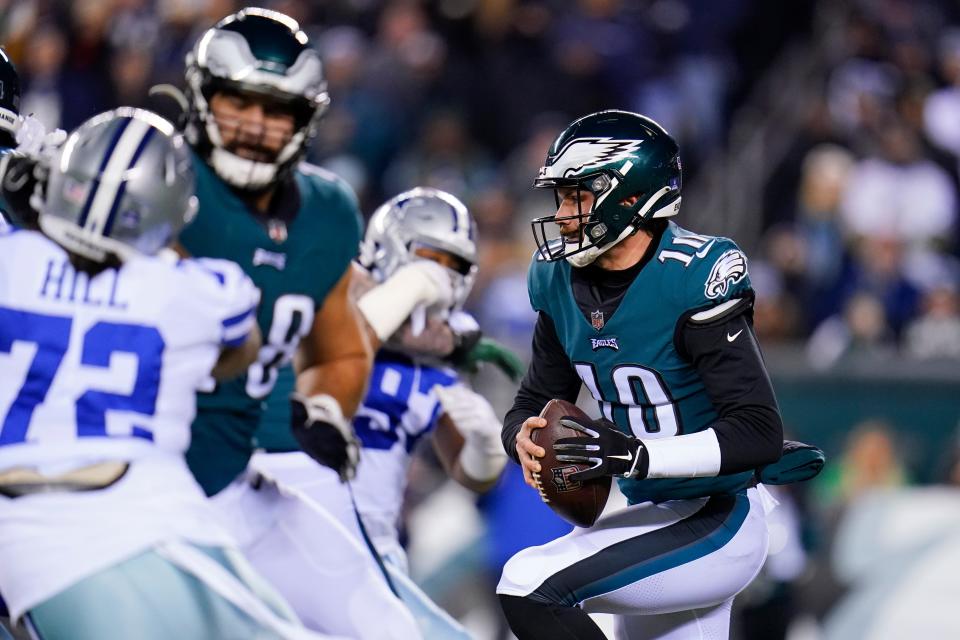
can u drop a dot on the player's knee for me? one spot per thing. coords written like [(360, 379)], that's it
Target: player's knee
[(521, 573), (532, 618)]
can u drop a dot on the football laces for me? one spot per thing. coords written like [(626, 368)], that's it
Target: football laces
[(537, 481)]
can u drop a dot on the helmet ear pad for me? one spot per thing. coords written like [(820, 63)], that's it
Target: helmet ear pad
[(610, 210)]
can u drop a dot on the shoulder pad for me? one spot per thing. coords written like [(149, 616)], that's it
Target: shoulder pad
[(717, 273), (324, 177), (539, 279)]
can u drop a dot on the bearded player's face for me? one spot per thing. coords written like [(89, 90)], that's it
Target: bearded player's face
[(251, 126)]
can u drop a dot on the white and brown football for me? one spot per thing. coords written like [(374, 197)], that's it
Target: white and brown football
[(579, 503)]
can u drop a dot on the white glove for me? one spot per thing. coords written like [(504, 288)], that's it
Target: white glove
[(482, 457), (419, 283), (34, 140)]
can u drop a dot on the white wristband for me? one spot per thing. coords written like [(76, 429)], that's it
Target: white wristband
[(696, 455)]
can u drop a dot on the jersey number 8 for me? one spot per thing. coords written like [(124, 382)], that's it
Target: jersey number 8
[(292, 320)]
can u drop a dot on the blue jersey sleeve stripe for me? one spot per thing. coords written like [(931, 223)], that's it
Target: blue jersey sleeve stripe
[(229, 333), (235, 342), (240, 317)]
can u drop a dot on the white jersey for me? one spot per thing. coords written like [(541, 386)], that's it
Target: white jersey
[(96, 369), (398, 410)]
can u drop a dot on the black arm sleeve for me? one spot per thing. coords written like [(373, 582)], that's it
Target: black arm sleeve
[(725, 353), (549, 376)]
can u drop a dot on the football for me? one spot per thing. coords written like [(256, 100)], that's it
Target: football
[(579, 503)]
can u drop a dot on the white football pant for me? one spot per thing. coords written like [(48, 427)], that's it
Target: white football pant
[(325, 573), (667, 571)]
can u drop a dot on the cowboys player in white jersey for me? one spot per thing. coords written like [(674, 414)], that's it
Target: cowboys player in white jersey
[(414, 392), (103, 343), (402, 405)]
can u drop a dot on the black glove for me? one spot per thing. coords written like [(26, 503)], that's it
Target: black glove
[(609, 450), (324, 434), (22, 176)]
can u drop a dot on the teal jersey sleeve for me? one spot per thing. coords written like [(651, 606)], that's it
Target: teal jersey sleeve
[(537, 276), (721, 274)]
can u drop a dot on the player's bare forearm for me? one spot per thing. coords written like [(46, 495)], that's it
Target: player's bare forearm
[(344, 378), (448, 444), (464, 480), (336, 358), (234, 360)]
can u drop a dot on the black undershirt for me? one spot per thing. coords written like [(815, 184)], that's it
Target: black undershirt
[(749, 429), (283, 206)]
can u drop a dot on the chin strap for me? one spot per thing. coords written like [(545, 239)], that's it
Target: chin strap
[(584, 258), (241, 172)]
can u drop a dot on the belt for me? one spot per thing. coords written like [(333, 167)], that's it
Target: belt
[(22, 481)]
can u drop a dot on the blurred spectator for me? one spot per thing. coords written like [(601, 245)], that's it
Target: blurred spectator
[(859, 94), (936, 333), (942, 109), (776, 315), (871, 462), (861, 331), (878, 270), (40, 76), (872, 459), (130, 75), (900, 192), (447, 157), (826, 171), (811, 253)]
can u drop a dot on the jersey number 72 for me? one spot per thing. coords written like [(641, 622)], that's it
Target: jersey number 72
[(51, 336)]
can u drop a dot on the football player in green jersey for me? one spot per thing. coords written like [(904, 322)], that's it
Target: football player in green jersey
[(255, 95), (656, 322)]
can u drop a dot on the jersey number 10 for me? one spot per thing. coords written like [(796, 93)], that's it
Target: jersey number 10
[(649, 407)]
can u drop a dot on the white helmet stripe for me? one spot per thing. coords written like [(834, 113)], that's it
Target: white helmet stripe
[(112, 178)]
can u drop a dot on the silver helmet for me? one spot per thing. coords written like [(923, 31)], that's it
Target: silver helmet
[(260, 52), (122, 184), (421, 218)]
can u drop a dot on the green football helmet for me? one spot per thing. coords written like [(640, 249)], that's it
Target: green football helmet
[(614, 155), (260, 52)]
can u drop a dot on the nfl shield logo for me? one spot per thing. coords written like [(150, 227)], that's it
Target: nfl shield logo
[(561, 478), (596, 319), (277, 230)]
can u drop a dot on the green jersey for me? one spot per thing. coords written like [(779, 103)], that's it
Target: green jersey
[(629, 362), (294, 271)]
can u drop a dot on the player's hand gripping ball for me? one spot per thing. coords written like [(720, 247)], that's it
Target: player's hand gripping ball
[(579, 503)]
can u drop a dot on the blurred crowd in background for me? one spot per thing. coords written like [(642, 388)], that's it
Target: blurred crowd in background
[(849, 213)]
